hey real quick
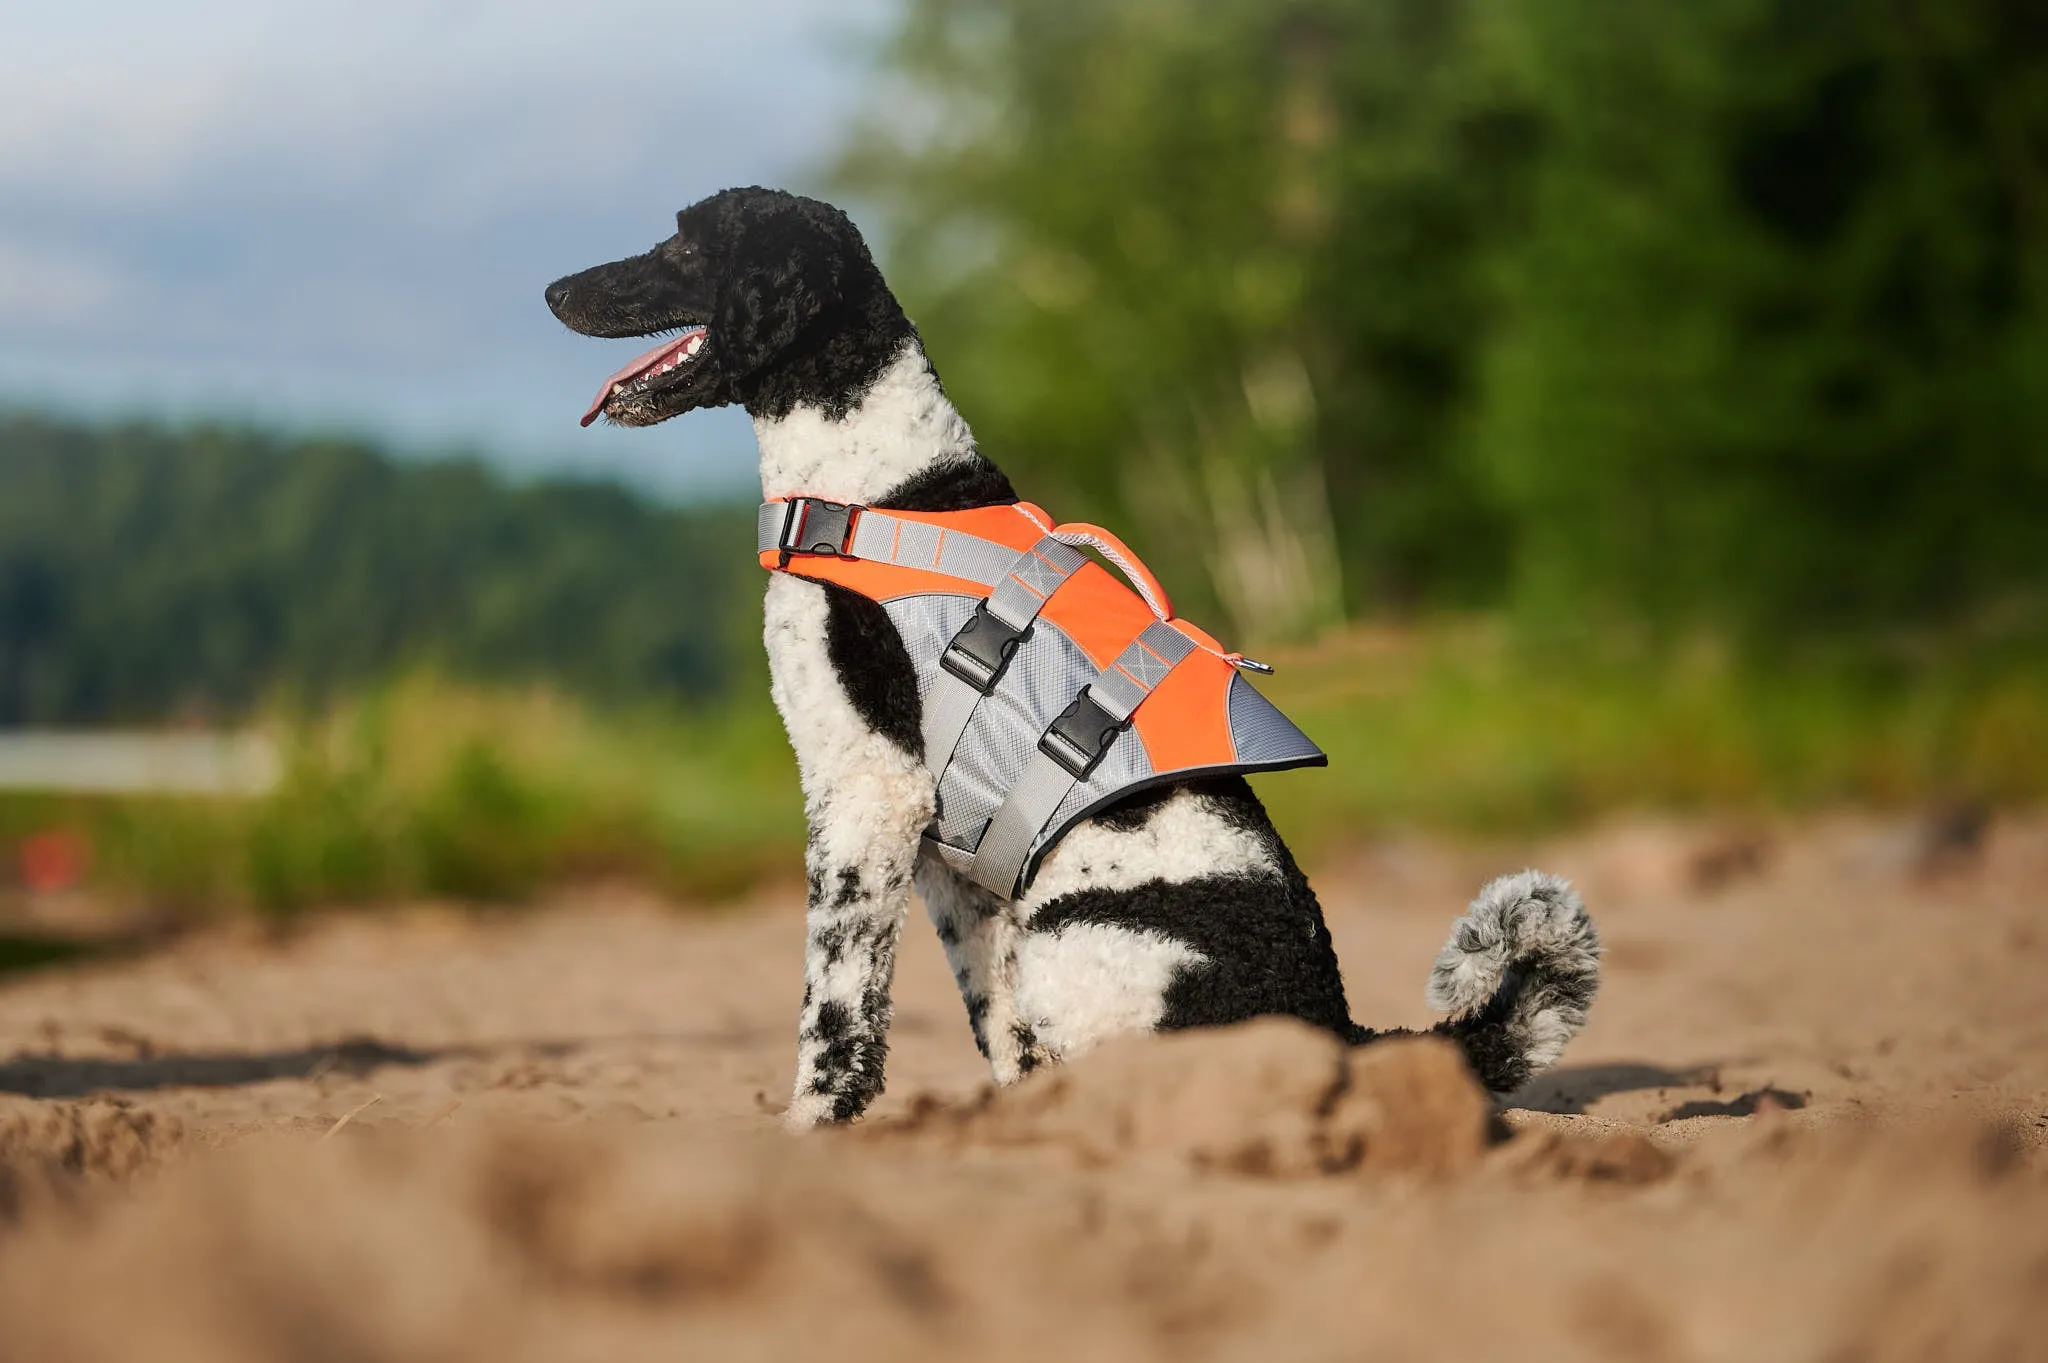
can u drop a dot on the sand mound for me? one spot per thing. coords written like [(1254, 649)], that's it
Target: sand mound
[(1274, 1097), (575, 1241), (572, 1242), (1809, 1121), (46, 1149)]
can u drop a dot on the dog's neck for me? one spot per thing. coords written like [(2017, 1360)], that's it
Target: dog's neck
[(901, 444)]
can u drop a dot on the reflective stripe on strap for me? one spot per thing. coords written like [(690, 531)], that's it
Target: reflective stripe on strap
[(976, 657), (804, 525), (768, 523), (1068, 751)]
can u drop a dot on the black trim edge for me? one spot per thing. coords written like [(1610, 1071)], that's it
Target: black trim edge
[(1172, 778)]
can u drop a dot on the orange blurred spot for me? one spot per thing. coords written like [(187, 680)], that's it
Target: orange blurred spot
[(54, 860)]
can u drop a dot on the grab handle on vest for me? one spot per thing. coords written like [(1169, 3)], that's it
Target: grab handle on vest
[(1128, 563)]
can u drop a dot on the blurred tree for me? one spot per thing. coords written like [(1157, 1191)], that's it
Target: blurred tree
[(30, 614), (146, 571), (1726, 312), (1209, 268), (1776, 343)]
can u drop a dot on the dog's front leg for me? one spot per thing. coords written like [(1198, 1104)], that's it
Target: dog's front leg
[(859, 885), (868, 801)]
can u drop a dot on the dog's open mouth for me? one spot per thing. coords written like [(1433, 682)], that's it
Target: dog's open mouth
[(649, 369)]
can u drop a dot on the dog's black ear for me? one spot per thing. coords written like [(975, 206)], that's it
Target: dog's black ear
[(767, 309)]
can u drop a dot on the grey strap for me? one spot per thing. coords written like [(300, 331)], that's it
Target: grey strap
[(963, 679), (1034, 575), (768, 523), (881, 538), (1060, 764)]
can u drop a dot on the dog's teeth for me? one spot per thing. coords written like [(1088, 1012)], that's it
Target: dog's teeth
[(695, 341)]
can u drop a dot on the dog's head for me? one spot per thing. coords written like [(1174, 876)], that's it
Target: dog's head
[(766, 298)]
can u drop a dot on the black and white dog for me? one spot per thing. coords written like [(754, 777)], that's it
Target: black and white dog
[(1179, 908)]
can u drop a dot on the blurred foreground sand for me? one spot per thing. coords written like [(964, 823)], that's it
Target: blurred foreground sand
[(1809, 1120)]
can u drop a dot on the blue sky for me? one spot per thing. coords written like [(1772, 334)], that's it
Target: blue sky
[(342, 214)]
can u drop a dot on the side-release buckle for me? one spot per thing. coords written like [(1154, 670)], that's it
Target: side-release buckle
[(1081, 736), (818, 527), (980, 653)]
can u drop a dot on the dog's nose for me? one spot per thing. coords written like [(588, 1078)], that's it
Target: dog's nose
[(558, 294)]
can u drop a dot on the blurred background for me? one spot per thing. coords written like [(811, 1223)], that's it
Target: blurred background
[(1592, 406)]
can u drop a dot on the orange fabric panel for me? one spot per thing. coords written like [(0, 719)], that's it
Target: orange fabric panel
[(1119, 553), (1199, 635), (1097, 612), (1185, 722)]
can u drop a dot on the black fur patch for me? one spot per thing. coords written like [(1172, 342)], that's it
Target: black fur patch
[(951, 487), (1267, 946), (1135, 810), (1496, 1053), (835, 941), (850, 1063), (849, 889), (1028, 1055), (861, 639), (874, 667)]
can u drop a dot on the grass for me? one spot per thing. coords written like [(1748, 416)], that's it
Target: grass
[(1471, 728), (424, 788)]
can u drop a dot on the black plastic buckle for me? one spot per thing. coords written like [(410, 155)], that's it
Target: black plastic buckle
[(980, 653), (818, 527), (1082, 735)]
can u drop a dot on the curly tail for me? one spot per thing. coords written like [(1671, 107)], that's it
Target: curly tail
[(1517, 975)]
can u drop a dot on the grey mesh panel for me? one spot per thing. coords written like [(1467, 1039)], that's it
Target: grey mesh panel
[(1047, 673), (927, 622), (1002, 738), (1033, 804), (950, 702), (1262, 734)]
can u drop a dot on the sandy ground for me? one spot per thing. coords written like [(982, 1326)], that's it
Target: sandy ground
[(1809, 1120)]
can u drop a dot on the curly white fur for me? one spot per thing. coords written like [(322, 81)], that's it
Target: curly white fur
[(904, 425), (1532, 926)]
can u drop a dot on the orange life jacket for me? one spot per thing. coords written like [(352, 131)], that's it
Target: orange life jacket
[(1049, 688)]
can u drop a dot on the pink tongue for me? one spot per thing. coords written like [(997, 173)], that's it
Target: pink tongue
[(634, 370)]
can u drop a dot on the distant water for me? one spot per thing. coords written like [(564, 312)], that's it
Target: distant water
[(100, 762)]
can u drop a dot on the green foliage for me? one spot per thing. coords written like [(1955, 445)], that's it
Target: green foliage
[(1208, 269), (1771, 353), (432, 790), (1727, 313), (146, 571), (427, 789), (1479, 727)]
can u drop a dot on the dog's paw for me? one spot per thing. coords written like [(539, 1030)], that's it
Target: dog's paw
[(808, 1110)]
